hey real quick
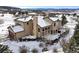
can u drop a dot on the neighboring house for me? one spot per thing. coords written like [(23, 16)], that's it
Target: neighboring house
[(37, 26)]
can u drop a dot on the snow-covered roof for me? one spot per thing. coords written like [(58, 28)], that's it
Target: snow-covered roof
[(60, 15), (42, 22), (73, 17), (55, 18), (29, 37), (32, 13), (25, 19), (17, 28)]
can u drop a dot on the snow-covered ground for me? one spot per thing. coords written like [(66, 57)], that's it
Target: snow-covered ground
[(14, 46), (56, 46), (8, 20)]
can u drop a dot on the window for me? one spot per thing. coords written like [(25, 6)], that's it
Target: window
[(45, 28), (42, 29), (54, 24), (51, 31), (48, 31), (42, 33), (48, 27), (27, 23), (56, 30), (38, 30)]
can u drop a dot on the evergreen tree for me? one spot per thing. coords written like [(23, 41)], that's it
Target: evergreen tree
[(4, 49), (64, 21), (74, 14)]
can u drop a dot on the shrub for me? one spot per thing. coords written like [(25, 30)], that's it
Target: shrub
[(23, 49), (44, 49), (74, 14), (34, 50), (55, 50)]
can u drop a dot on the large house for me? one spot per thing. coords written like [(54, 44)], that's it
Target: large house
[(37, 26)]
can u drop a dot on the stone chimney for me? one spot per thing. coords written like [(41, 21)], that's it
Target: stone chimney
[(35, 27)]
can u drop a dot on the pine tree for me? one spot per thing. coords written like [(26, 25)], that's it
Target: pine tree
[(64, 21), (4, 49)]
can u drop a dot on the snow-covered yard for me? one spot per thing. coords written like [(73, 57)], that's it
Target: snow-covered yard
[(14, 46)]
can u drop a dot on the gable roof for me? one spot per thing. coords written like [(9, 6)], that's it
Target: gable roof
[(17, 28), (25, 19), (42, 22)]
